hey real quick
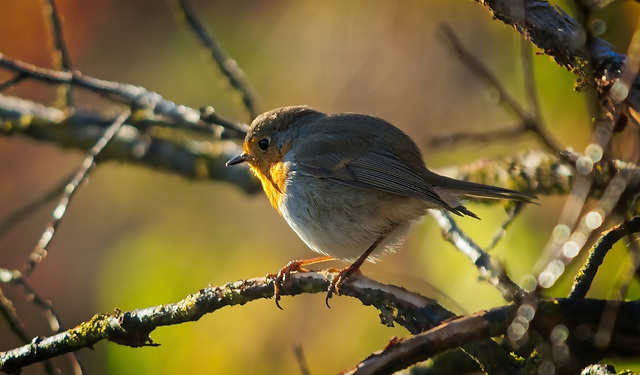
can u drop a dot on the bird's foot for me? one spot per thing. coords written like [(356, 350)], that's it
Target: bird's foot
[(281, 276)]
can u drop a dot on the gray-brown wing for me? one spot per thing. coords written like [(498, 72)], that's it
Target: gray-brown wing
[(375, 171)]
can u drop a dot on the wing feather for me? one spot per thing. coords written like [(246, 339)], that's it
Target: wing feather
[(375, 171)]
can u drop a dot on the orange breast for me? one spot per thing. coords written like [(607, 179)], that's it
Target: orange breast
[(273, 180)]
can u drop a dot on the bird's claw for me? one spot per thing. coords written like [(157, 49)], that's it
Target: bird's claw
[(337, 280), (281, 277)]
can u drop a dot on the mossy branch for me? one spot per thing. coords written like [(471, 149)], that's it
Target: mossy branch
[(132, 328)]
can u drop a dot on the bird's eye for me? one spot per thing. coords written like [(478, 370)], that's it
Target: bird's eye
[(263, 144)]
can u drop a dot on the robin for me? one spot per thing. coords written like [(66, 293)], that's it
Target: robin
[(350, 185)]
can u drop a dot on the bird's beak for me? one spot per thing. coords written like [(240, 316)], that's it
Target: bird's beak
[(239, 159)]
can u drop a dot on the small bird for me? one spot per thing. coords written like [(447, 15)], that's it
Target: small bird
[(350, 185)]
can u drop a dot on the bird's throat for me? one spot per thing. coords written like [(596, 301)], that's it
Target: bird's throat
[(273, 180)]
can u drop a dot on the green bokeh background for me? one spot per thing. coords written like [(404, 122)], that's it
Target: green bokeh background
[(135, 237)]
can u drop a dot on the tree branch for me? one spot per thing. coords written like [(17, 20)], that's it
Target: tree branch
[(185, 156), (146, 104), (89, 161), (61, 58), (228, 66), (565, 40), (132, 328), (576, 315), (588, 272), (482, 260)]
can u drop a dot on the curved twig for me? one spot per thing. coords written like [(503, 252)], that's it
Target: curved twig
[(588, 272)]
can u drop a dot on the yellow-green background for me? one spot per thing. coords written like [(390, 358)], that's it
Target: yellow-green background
[(135, 237)]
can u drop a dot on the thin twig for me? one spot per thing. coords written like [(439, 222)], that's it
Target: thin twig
[(566, 244), (484, 137), (302, 362), (587, 273), (153, 105), (12, 81), (8, 311), (62, 58), (227, 65), (208, 114), (530, 122), (536, 123), (40, 250), (14, 218), (571, 234), (496, 277), (53, 319), (517, 207), (473, 64), (17, 278), (526, 54)]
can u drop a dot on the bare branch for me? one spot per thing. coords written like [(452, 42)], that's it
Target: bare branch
[(8, 311), (529, 121), (472, 62), (61, 58), (564, 39), (132, 328), (147, 104), (11, 220), (403, 353), (227, 65), (496, 277), (69, 190), (480, 137), (571, 235), (511, 216), (184, 156), (15, 277), (12, 81), (567, 313)]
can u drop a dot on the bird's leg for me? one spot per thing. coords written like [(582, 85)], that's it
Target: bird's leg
[(294, 265), (353, 268)]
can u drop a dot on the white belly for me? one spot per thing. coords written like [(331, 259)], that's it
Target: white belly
[(343, 222)]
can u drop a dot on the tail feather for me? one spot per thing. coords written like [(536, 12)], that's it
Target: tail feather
[(462, 211), (450, 190), (460, 188), (474, 190)]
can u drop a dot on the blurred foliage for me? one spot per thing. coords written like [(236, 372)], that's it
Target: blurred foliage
[(134, 238)]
